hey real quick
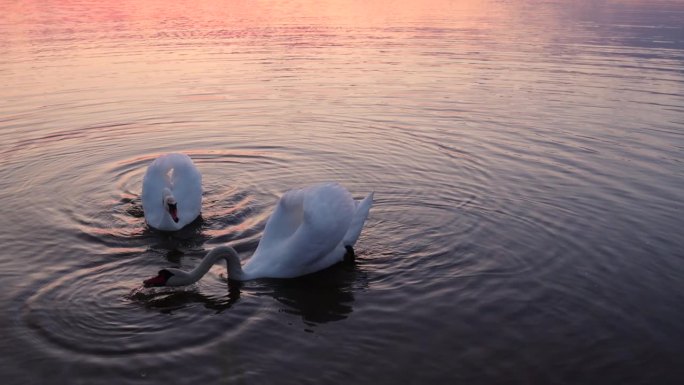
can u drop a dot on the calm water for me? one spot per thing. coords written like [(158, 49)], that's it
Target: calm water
[(527, 158)]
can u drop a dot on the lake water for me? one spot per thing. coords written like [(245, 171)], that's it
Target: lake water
[(527, 159)]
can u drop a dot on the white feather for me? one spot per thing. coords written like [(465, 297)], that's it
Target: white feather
[(178, 173)]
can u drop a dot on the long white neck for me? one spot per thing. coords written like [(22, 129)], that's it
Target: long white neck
[(221, 252), (166, 192)]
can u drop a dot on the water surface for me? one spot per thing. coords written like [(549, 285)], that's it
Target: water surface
[(526, 157)]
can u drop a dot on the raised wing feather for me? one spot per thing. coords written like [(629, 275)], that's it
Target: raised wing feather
[(186, 185), (307, 225), (285, 220), (154, 181)]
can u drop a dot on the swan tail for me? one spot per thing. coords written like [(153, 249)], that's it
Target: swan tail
[(362, 209)]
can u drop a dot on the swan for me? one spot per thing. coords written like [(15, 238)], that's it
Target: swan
[(171, 192), (311, 229)]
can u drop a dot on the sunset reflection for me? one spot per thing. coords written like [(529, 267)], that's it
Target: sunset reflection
[(525, 158)]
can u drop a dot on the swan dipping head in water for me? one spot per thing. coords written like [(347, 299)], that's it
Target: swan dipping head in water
[(176, 277), (311, 229)]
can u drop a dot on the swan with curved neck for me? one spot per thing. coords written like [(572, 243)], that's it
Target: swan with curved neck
[(171, 192), (176, 277), (311, 229)]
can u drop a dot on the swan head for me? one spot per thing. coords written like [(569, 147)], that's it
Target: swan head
[(169, 277), (170, 204)]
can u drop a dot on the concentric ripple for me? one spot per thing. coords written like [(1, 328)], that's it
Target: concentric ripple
[(92, 306), (94, 311), (525, 158)]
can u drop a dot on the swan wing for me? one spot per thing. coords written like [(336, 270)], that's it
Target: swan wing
[(306, 227), (186, 182), (285, 220), (155, 180), (328, 212), (356, 225)]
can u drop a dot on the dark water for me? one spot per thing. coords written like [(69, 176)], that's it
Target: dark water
[(527, 158)]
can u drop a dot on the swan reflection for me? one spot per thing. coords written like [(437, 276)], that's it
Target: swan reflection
[(167, 301), (189, 237), (325, 296), (317, 298)]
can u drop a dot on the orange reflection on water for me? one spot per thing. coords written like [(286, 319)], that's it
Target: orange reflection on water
[(160, 15)]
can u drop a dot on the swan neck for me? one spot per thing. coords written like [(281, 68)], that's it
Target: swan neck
[(166, 193), (233, 265)]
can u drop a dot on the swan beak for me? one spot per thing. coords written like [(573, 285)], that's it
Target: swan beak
[(153, 282), (159, 280), (173, 210)]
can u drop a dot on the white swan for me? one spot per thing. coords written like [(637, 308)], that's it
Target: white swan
[(310, 229), (171, 192)]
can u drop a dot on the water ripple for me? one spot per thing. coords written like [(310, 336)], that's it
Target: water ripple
[(91, 310)]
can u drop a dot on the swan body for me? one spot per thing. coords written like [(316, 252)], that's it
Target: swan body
[(171, 192), (311, 229)]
